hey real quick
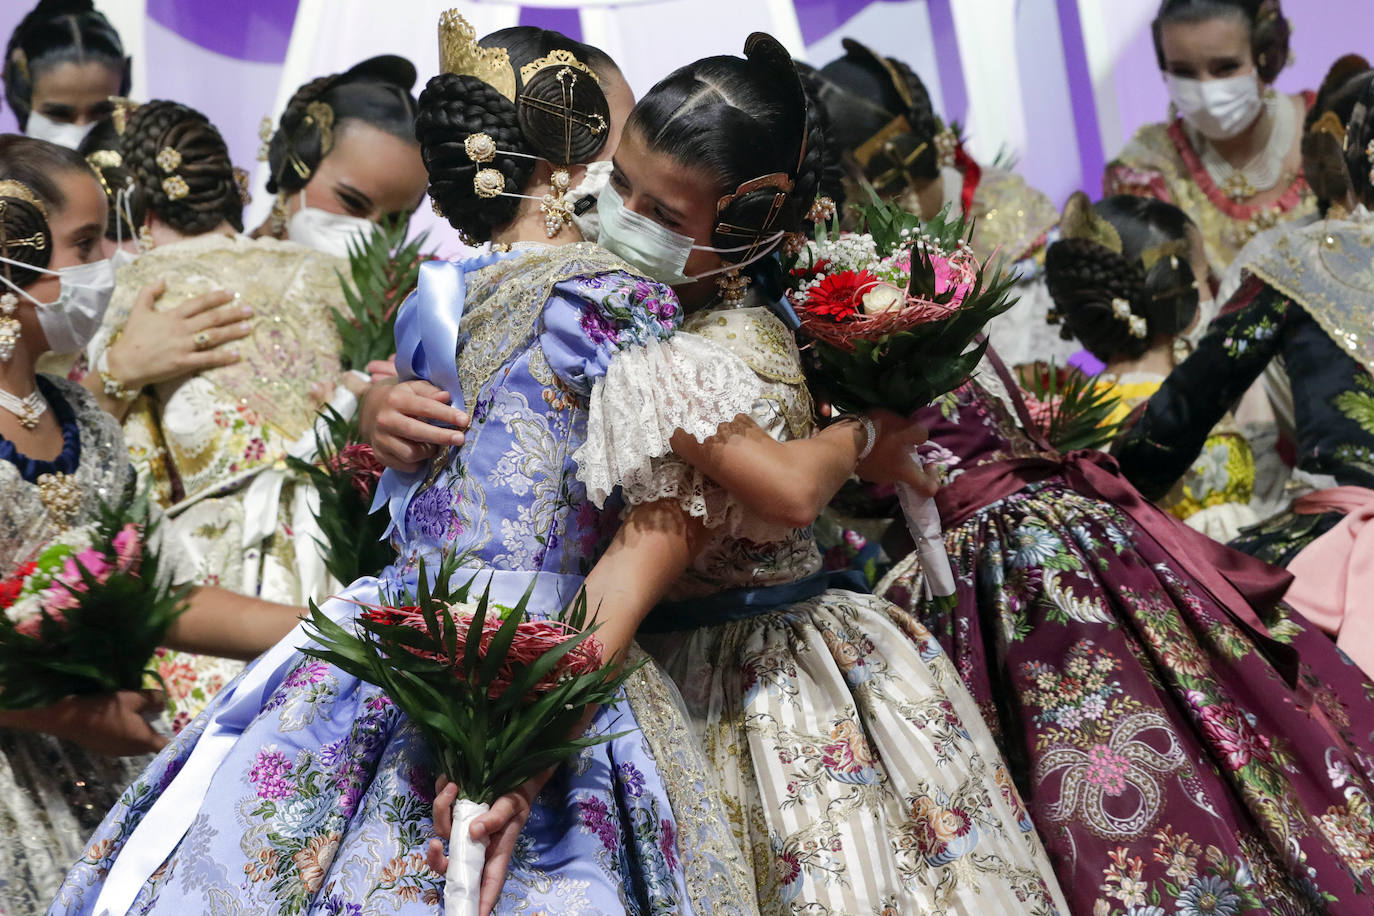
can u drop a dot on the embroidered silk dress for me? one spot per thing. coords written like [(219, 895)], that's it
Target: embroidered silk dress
[(1162, 161), (303, 790), (1288, 309), (212, 446), (859, 775), (52, 792), (1176, 752), (1215, 493)]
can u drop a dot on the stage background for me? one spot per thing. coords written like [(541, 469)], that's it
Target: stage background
[(1059, 85)]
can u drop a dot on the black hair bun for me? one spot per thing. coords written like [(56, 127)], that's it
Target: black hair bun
[(776, 202), (384, 68), (563, 113)]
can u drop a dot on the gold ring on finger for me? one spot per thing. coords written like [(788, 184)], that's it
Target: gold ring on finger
[(201, 340)]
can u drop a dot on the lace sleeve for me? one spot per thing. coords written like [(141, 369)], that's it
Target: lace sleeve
[(648, 393)]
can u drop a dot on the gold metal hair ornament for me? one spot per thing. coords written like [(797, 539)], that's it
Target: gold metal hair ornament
[(461, 55)]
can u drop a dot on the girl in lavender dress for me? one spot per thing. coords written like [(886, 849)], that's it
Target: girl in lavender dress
[(301, 789)]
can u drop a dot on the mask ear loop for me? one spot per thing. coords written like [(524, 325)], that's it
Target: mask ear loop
[(124, 216)]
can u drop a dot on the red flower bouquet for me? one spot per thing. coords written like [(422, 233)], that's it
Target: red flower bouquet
[(892, 314), (890, 319), (86, 612), (495, 693)]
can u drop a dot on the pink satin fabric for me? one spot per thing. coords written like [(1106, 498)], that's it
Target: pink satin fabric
[(1334, 576)]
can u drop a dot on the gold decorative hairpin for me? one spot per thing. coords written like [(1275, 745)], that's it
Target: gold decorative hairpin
[(175, 187), (1081, 221), (1178, 248), (460, 54), (168, 159), (1330, 124), (241, 182), (105, 159), (21, 191), (119, 113), (321, 115), (558, 58)]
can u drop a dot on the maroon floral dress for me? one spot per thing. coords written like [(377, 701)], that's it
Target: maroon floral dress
[(1184, 743)]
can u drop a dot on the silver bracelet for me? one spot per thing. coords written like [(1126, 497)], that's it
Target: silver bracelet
[(870, 436)]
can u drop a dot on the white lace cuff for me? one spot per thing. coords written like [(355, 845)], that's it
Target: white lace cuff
[(649, 392), (702, 498)]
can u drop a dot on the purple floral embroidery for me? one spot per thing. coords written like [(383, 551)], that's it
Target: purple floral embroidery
[(307, 674), (335, 905), (271, 773), (421, 783), (596, 817), (667, 842), (379, 703), (598, 328), (431, 515), (169, 774), (631, 779)]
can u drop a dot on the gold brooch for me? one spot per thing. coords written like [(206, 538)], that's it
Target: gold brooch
[(61, 496)]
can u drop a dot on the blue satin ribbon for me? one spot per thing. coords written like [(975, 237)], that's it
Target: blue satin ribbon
[(743, 603), (427, 335)]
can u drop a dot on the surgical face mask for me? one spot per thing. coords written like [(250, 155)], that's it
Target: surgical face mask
[(325, 231), (657, 251), (71, 320), (588, 222), (41, 127), (1218, 109)]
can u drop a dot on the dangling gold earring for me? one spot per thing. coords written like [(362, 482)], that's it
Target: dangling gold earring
[(733, 286), (276, 222), (554, 206), (9, 326), (145, 236)]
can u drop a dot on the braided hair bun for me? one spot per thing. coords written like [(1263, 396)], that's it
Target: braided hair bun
[(452, 109), (560, 115), (181, 168), (1103, 296), (564, 115), (375, 92), (56, 32), (1270, 30)]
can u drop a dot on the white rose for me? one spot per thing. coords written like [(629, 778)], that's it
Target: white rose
[(882, 299)]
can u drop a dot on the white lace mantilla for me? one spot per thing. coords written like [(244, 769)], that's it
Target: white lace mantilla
[(650, 392)]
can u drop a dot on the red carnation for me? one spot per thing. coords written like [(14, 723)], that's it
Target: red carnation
[(839, 295), (11, 587)]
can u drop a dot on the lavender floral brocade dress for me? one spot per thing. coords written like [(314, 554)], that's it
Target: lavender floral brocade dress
[(301, 790), (1179, 753), (860, 776)]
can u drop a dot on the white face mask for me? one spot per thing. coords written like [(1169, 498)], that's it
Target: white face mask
[(71, 320), (588, 222), (1218, 109), (327, 232), (657, 251), (41, 127)]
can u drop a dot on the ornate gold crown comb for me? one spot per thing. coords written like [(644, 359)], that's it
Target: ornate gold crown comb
[(460, 54)]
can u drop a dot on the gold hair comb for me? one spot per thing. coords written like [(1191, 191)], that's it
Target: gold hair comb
[(461, 55), (1081, 221), (21, 191)]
